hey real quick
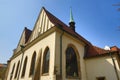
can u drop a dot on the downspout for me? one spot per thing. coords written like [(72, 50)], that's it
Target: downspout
[(61, 36), (22, 47), (85, 55), (114, 66), (61, 54)]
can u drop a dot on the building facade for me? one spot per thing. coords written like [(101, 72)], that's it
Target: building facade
[(55, 51)]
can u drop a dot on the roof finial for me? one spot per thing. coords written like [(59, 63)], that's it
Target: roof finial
[(71, 23), (71, 15)]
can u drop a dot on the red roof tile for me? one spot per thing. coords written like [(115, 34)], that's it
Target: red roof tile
[(92, 50), (63, 26), (114, 48), (3, 65)]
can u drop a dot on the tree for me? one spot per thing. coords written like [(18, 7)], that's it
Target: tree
[(2, 72)]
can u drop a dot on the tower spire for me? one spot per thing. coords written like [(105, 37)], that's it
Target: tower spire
[(71, 23), (71, 16)]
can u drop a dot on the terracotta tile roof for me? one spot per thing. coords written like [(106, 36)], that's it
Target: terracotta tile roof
[(114, 48), (95, 51), (2, 65), (92, 50), (63, 26)]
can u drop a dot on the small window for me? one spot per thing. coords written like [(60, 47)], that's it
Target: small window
[(32, 67), (46, 59), (100, 78), (24, 67), (16, 73)]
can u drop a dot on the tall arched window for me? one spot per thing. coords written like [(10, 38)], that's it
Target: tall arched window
[(46, 59), (11, 75), (32, 67), (17, 69), (24, 67), (71, 63)]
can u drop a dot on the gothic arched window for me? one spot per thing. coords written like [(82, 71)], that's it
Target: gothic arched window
[(17, 69), (32, 67), (24, 67), (11, 75), (46, 59), (71, 63)]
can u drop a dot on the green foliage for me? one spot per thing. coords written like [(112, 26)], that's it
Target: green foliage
[(2, 72)]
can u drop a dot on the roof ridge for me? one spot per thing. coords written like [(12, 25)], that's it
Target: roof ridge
[(53, 18), (57, 21)]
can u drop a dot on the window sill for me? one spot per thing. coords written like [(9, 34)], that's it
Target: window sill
[(71, 77), (45, 74)]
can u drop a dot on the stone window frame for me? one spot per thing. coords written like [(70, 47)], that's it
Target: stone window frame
[(24, 67), (17, 68), (78, 62), (43, 63), (11, 74), (32, 65)]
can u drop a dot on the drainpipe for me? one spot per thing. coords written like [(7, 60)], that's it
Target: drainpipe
[(61, 53), (114, 66), (61, 36), (22, 47)]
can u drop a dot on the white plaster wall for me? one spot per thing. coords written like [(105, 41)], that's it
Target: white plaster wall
[(16, 60), (49, 41), (101, 66)]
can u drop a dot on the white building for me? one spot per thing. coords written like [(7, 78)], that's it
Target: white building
[(54, 51)]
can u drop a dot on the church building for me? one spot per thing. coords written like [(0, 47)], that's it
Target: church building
[(55, 51)]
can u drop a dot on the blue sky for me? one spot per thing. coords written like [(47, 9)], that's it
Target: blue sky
[(96, 20)]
